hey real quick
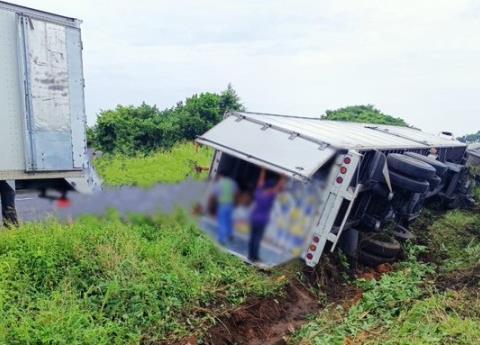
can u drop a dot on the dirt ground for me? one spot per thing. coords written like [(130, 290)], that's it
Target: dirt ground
[(270, 321)]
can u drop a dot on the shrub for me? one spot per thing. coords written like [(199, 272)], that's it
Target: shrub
[(363, 114), (134, 130)]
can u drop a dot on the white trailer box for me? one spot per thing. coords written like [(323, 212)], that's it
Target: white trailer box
[(42, 108)]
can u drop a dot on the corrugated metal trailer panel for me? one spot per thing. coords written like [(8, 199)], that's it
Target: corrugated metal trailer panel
[(299, 146), (43, 132), (350, 135), (292, 155)]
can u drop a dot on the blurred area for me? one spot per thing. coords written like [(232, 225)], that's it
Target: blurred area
[(265, 223), (163, 198)]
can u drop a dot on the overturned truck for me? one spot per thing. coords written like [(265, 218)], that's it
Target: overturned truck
[(375, 177)]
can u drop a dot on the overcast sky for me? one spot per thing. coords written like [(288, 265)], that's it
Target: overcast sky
[(416, 59)]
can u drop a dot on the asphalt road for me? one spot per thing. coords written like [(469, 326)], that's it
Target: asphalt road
[(159, 199)]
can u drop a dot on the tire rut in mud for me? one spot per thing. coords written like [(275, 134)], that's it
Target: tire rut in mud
[(266, 321)]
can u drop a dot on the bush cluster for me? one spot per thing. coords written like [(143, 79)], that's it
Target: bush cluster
[(143, 129), (471, 138), (363, 114)]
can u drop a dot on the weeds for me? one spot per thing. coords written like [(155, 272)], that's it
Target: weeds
[(404, 307), (109, 281), (448, 318), (381, 304), (455, 240)]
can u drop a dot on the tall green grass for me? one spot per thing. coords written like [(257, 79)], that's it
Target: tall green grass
[(110, 281), (381, 304), (454, 240), (162, 167), (404, 307)]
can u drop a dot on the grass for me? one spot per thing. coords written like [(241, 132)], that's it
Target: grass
[(112, 281), (455, 240), (381, 304), (452, 317), (407, 306), (163, 167)]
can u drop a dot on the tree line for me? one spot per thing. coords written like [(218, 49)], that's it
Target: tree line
[(132, 130), (471, 138)]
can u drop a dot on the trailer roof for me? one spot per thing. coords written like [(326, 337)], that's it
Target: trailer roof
[(299, 146), (351, 135), (43, 15)]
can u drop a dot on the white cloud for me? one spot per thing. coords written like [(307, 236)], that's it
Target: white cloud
[(415, 59)]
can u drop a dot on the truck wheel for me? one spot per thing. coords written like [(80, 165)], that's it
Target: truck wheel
[(410, 166), (407, 183), (381, 245), (403, 235), (434, 182), (7, 199), (373, 260), (439, 166)]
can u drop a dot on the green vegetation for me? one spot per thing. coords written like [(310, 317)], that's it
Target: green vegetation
[(381, 304), (170, 166), (111, 281), (363, 114), (445, 318), (454, 241), (471, 138), (144, 129), (433, 302)]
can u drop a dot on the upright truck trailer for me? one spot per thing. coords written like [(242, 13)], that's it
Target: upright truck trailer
[(42, 109), (375, 177)]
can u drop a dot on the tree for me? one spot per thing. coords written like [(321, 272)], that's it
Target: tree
[(471, 138), (143, 129), (364, 114), (230, 101)]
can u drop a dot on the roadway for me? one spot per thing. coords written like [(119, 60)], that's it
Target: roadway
[(159, 199)]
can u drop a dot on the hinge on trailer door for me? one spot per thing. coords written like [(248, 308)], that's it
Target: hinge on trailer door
[(332, 237), (293, 135)]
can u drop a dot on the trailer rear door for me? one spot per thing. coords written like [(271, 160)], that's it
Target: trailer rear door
[(51, 69), (281, 151)]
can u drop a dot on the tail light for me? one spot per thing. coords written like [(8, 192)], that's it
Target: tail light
[(64, 203)]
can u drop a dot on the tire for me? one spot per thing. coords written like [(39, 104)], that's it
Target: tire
[(403, 235), (438, 166), (434, 182), (410, 166), (404, 182), (381, 245), (373, 260), (7, 199)]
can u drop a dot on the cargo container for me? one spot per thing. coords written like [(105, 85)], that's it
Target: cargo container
[(42, 108)]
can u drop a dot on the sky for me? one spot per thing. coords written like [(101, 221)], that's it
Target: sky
[(415, 59)]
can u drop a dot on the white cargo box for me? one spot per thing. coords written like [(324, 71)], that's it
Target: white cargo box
[(42, 108)]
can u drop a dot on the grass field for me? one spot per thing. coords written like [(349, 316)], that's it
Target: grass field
[(112, 281), (163, 167)]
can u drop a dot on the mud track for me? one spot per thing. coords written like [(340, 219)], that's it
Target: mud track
[(270, 321)]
